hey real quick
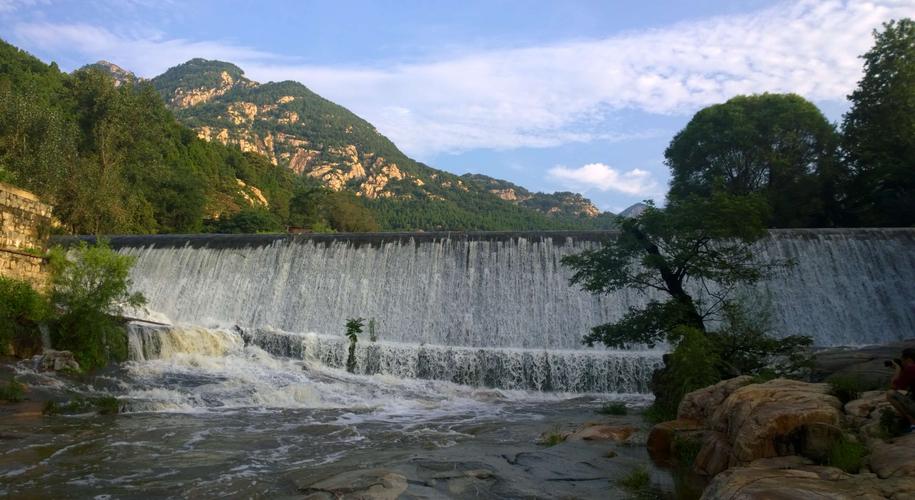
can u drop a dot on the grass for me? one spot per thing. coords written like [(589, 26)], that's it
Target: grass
[(638, 484), (613, 409), (12, 392), (686, 449), (553, 437), (845, 387), (846, 455), (656, 414)]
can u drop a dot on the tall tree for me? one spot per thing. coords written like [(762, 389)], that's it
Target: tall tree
[(777, 145), (687, 259), (879, 130)]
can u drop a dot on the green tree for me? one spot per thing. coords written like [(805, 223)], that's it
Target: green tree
[(777, 145), (90, 286), (689, 260), (702, 241), (879, 130), (249, 220)]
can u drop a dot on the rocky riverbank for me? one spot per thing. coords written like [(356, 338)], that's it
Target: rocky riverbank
[(787, 439)]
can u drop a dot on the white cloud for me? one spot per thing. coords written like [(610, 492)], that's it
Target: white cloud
[(605, 178), (7, 6), (552, 94)]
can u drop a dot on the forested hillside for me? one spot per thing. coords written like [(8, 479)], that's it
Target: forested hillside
[(104, 148)]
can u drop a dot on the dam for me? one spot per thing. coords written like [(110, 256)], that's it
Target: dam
[(491, 309)]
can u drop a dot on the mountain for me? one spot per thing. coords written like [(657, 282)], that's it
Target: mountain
[(297, 129), (203, 148), (117, 73), (633, 211), (561, 204)]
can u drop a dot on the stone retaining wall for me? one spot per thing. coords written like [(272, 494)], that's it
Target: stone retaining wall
[(25, 224)]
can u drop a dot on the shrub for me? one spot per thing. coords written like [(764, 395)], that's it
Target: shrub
[(12, 392), (846, 455), (91, 285), (691, 366), (353, 329), (892, 424), (613, 409), (21, 310), (845, 387), (686, 449), (745, 346)]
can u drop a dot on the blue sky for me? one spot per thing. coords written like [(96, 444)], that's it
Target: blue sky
[(564, 95)]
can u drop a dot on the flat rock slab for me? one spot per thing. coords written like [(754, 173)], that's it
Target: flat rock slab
[(368, 484), (603, 432)]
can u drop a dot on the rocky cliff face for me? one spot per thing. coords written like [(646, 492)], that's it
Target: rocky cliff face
[(297, 129), (294, 128), (560, 203)]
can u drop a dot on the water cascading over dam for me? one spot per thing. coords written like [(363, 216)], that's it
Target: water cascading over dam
[(491, 309)]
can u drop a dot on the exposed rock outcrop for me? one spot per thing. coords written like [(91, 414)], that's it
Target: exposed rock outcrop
[(761, 440), (796, 480), (369, 484), (56, 360)]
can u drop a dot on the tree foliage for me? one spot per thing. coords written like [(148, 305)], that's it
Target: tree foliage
[(779, 146), (701, 242), (879, 130), (90, 286), (21, 310)]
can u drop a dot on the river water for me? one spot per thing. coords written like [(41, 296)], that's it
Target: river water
[(206, 414), (478, 352)]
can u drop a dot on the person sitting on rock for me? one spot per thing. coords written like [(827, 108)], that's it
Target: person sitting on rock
[(904, 380)]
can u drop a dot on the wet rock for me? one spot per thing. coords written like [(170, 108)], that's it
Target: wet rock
[(759, 481), (602, 432), (662, 437), (368, 484), (895, 458), (700, 404), (762, 420), (56, 361)]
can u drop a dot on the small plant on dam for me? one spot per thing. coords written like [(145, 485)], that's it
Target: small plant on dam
[(353, 329)]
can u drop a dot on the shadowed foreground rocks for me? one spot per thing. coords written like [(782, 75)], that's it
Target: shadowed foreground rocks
[(775, 439)]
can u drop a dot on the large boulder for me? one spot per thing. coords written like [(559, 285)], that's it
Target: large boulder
[(762, 480), (700, 404), (766, 420), (895, 458), (868, 403)]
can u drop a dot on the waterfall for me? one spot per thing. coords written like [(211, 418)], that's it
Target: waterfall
[(482, 310), (514, 369), (500, 290)]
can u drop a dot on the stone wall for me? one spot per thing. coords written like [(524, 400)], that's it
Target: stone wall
[(24, 226)]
